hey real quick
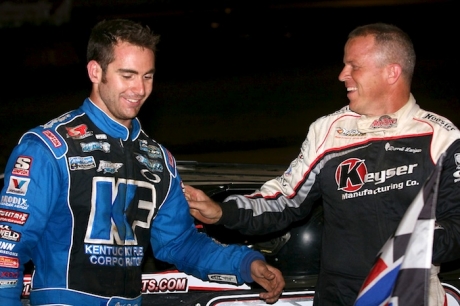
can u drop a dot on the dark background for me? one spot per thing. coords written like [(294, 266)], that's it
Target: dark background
[(236, 81)]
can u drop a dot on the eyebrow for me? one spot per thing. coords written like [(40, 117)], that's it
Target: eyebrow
[(122, 70)]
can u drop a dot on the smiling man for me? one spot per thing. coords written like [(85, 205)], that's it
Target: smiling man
[(367, 162), (377, 72), (96, 191)]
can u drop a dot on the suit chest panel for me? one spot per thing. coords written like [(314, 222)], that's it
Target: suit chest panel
[(380, 169)]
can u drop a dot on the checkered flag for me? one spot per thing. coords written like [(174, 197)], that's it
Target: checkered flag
[(401, 273)]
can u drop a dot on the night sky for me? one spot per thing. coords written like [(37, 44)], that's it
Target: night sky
[(237, 75)]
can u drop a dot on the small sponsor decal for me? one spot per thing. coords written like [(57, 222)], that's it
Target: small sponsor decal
[(7, 246), (457, 173), (13, 201), (223, 278), (389, 147), (18, 185), (100, 136), (53, 138), (384, 122), (108, 167), (7, 233), (457, 159), (81, 162), (8, 283), (9, 262), (152, 151), (349, 133), (152, 177), (170, 159), (13, 216), (78, 132), (151, 165), (9, 274), (22, 166), (7, 252), (96, 145), (57, 120), (440, 121)]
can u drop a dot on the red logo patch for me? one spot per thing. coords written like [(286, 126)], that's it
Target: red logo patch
[(22, 166), (350, 174)]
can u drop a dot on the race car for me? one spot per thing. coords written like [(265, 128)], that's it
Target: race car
[(295, 250)]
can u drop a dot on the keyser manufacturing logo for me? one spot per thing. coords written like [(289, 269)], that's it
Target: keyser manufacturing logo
[(352, 174)]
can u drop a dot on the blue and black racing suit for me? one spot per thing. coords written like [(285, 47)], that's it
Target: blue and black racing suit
[(83, 198)]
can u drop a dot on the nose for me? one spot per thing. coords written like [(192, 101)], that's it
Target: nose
[(344, 74), (138, 86)]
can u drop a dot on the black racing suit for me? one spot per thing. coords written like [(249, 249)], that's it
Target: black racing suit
[(367, 170)]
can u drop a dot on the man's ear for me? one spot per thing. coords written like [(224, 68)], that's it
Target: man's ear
[(394, 72), (94, 71)]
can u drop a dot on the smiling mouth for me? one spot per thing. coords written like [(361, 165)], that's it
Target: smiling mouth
[(133, 101), (351, 88)]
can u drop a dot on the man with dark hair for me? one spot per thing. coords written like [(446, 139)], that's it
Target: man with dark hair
[(87, 192), (366, 162)]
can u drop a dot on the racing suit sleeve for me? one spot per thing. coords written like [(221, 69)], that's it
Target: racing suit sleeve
[(446, 244), (176, 240), (280, 201), (31, 182)]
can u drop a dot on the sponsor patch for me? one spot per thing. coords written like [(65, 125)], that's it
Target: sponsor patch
[(7, 246), (95, 146), (100, 136), (457, 173), (81, 163), (22, 166), (170, 159), (150, 164), (9, 262), (54, 140), (152, 151), (108, 167), (9, 274), (57, 120), (152, 177), (18, 185), (78, 132), (457, 159), (384, 122), (8, 283), (441, 121), (223, 278), (16, 202), (13, 216), (352, 174), (7, 233), (349, 133), (389, 147), (10, 253)]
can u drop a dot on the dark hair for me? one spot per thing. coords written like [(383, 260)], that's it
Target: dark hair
[(394, 44), (108, 33)]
